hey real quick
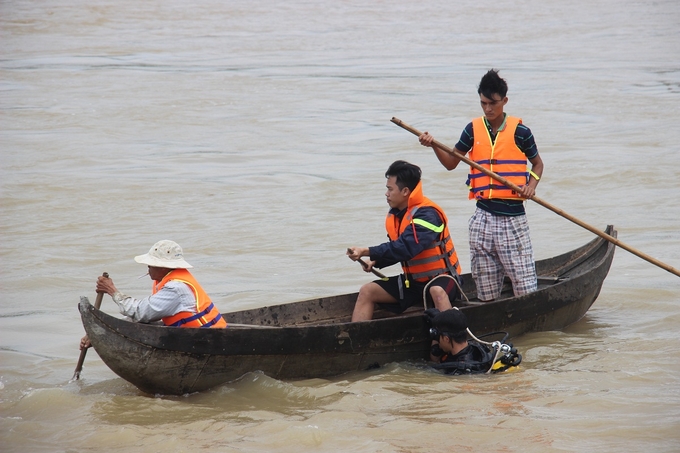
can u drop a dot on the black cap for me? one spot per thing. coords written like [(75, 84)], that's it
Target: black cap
[(450, 322)]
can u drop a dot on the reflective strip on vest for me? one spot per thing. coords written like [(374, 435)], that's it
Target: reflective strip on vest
[(452, 268), (198, 316), (503, 154), (504, 161), (206, 314), (434, 259), (428, 225)]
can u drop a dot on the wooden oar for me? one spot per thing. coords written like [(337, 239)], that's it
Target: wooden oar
[(376, 272), (81, 360), (364, 264), (545, 204)]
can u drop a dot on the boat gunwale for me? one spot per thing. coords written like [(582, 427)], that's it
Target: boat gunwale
[(584, 252), (167, 360)]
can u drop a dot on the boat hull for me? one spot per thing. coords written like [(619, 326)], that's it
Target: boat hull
[(314, 338)]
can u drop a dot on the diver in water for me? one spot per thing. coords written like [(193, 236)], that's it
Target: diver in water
[(453, 353)]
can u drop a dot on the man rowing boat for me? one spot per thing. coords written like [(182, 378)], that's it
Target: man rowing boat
[(419, 240), (177, 299)]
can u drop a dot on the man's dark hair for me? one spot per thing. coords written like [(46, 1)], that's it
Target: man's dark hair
[(408, 175), (452, 323), (491, 84)]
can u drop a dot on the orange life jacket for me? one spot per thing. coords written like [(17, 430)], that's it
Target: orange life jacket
[(440, 256), (503, 157), (206, 313)]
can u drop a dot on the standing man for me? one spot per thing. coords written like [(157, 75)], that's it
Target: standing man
[(177, 300), (499, 232), (419, 240)]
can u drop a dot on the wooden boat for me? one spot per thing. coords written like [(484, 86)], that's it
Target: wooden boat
[(315, 338)]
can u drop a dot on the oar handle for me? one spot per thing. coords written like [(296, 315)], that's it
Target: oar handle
[(364, 264), (376, 272), (545, 204), (83, 353)]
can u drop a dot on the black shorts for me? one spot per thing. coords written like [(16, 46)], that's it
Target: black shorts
[(407, 297)]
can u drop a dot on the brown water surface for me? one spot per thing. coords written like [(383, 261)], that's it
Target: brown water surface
[(256, 134)]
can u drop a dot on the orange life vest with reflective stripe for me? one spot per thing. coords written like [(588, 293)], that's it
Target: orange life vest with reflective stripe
[(503, 157), (206, 313), (440, 256)]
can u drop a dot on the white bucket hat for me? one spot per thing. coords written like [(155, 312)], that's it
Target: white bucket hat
[(167, 254)]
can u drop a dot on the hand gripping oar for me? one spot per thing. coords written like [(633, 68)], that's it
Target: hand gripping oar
[(364, 264), (545, 204), (81, 360)]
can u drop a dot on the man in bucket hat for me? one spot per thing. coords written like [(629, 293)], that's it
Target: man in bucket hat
[(178, 300)]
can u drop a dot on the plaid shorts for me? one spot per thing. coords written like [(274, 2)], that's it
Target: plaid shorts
[(500, 246)]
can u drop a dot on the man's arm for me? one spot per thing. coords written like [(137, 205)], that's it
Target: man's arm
[(524, 140), (529, 190), (173, 298), (450, 161), (356, 253)]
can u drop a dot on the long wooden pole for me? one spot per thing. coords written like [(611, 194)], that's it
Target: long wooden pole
[(81, 359), (543, 203)]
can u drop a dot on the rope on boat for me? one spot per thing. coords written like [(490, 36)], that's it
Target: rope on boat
[(462, 293), (455, 280), (466, 299)]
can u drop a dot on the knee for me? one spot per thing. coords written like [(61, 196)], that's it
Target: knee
[(366, 292), (440, 298), (365, 289), (437, 292)]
